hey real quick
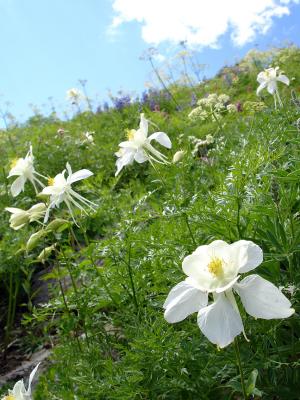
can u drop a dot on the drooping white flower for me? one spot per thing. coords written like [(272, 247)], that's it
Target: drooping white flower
[(60, 190), (89, 137), (268, 79), (75, 96), (24, 169), (19, 391), (138, 147), (20, 217), (215, 269)]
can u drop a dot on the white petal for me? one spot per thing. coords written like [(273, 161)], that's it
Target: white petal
[(262, 77), (162, 138), (18, 186), (283, 79), (31, 376), (126, 159), (130, 144), (79, 175), (261, 87), (140, 156), (219, 322), (196, 266), (69, 169), (183, 300), (246, 255), (14, 210), (18, 390), (144, 124), (50, 190), (262, 299), (272, 87)]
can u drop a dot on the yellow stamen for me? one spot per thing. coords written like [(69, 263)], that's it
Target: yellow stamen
[(9, 397), (215, 267), (130, 133), (14, 162), (50, 181)]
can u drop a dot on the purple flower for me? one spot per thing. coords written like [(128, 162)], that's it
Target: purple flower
[(193, 100), (121, 102)]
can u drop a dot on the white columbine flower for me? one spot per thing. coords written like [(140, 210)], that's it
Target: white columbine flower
[(268, 79), (24, 169), (215, 269), (138, 146), (19, 391), (20, 217), (89, 136), (75, 95), (60, 190)]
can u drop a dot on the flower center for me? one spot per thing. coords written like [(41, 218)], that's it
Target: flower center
[(215, 267), (9, 397), (50, 181), (130, 134), (14, 162)]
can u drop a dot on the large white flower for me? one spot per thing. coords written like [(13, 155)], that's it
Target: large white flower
[(24, 169), (19, 391), (268, 79), (138, 146), (20, 217), (60, 190), (215, 269)]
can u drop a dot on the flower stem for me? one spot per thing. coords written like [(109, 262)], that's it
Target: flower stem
[(238, 359), (189, 228), (131, 279)]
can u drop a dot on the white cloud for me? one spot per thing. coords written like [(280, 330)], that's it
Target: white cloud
[(200, 22)]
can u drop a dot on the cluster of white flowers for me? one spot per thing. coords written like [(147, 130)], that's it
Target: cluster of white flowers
[(254, 106), (213, 106), (213, 271), (200, 143), (59, 189)]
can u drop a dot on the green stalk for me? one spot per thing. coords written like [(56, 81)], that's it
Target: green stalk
[(239, 364), (87, 243), (9, 311), (189, 228), (66, 304), (131, 279), (162, 82)]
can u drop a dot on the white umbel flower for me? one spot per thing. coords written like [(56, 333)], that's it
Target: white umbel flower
[(20, 218), (215, 269), (138, 147), (19, 391), (268, 79), (23, 168), (60, 190)]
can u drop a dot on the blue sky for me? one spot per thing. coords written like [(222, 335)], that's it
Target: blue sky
[(48, 45)]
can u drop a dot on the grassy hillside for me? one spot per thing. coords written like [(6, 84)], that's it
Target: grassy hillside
[(238, 179)]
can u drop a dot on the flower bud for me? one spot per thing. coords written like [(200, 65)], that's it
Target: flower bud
[(178, 156), (34, 239), (45, 253), (57, 225)]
